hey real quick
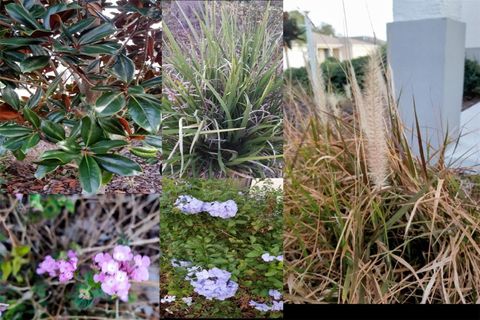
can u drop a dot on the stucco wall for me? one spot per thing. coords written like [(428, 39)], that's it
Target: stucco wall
[(404, 10)]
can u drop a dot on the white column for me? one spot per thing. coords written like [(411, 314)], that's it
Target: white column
[(426, 50)]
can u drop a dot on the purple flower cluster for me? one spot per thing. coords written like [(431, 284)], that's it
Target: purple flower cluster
[(269, 258), (213, 284), (3, 307), (277, 305), (64, 269), (190, 205), (117, 270)]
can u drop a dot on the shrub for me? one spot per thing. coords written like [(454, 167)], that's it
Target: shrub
[(90, 82), (222, 102), (471, 85), (235, 244)]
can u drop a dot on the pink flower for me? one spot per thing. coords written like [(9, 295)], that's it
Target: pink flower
[(64, 269), (48, 265), (117, 270), (122, 253), (140, 274), (110, 267), (141, 261)]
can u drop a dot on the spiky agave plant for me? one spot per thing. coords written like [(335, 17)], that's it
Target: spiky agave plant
[(416, 240), (222, 107)]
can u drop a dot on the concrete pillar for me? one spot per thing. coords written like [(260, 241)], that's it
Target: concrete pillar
[(427, 61)]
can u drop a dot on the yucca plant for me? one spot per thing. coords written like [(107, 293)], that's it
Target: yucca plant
[(222, 95), (366, 220)]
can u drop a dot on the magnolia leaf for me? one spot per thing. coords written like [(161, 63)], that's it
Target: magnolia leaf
[(145, 111), (34, 63), (118, 164), (123, 68), (96, 34), (110, 103), (90, 175), (54, 131)]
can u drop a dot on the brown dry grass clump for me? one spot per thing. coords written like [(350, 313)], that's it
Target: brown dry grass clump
[(366, 221)]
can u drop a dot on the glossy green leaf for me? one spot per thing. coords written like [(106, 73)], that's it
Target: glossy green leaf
[(32, 117), (145, 111), (35, 99), (20, 42), (153, 82), (30, 142), (136, 90), (118, 164), (105, 145), (19, 155), (91, 131), (97, 34), (53, 85), (61, 156), (144, 152), (123, 68), (18, 13), (90, 175), (154, 141), (15, 143), (42, 171), (101, 48), (110, 103), (14, 130), (112, 125), (81, 26), (34, 63), (11, 97), (54, 131)]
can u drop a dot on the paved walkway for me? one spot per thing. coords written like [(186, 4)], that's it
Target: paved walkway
[(467, 152)]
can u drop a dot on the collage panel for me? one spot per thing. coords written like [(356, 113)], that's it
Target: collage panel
[(71, 257), (80, 86), (222, 88), (221, 245), (382, 184)]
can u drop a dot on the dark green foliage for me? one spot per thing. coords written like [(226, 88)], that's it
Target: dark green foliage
[(38, 40), (471, 85)]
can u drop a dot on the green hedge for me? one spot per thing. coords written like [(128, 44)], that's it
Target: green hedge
[(335, 77)]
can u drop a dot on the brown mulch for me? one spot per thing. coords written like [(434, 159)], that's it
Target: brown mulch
[(18, 177)]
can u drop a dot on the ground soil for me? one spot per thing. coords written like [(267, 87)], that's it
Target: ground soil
[(18, 177)]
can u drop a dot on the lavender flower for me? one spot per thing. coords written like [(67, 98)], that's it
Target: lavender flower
[(187, 300), (224, 210), (277, 306), (189, 205), (275, 294), (269, 258), (214, 284), (259, 306), (3, 307)]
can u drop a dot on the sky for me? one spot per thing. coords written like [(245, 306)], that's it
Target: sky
[(361, 15)]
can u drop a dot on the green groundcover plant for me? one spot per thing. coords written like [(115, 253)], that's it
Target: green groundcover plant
[(80, 79), (247, 244), (222, 93)]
